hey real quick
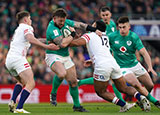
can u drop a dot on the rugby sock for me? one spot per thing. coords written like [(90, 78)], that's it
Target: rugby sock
[(75, 95), (151, 99), (23, 98), (86, 81), (16, 92), (137, 96), (55, 84), (118, 94), (118, 102)]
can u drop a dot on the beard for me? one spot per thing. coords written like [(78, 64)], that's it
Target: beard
[(58, 26)]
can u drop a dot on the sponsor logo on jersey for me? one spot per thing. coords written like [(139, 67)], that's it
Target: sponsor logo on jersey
[(116, 42), (129, 43), (123, 49), (55, 32)]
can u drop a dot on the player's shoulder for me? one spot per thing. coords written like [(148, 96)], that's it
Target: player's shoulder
[(113, 34), (133, 35), (25, 26)]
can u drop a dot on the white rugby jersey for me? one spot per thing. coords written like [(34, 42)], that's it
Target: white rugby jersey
[(98, 48), (19, 44)]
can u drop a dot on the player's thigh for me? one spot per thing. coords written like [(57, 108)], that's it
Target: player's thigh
[(146, 80), (27, 76), (120, 83), (55, 62), (132, 79), (100, 86), (71, 75)]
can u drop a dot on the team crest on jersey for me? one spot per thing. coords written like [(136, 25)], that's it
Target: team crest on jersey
[(116, 42), (112, 29), (123, 49), (129, 43)]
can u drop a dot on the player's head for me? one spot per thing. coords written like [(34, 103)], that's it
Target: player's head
[(59, 17), (105, 14), (123, 25), (100, 25), (24, 17)]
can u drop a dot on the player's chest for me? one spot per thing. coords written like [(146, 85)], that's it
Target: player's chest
[(123, 45)]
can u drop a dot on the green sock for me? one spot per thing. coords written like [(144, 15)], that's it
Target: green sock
[(118, 94), (75, 95), (55, 84), (151, 98), (86, 81)]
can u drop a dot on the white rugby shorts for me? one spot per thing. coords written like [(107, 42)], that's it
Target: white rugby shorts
[(16, 65), (52, 58), (106, 71), (138, 70)]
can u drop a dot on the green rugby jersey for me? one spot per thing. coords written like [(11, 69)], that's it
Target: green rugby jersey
[(111, 27), (53, 32), (124, 48)]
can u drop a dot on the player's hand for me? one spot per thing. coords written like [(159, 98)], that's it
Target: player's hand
[(72, 29), (98, 32), (153, 72), (87, 63), (52, 46)]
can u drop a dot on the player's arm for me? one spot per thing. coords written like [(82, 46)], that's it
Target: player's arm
[(147, 59), (33, 40), (87, 27), (78, 42), (63, 42)]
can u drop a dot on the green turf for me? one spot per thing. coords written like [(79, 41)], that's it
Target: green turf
[(66, 109)]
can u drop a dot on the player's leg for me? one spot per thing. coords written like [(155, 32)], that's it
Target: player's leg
[(27, 79), (60, 71), (100, 88), (146, 80), (55, 63), (86, 81), (71, 77), (149, 86), (122, 87), (16, 91)]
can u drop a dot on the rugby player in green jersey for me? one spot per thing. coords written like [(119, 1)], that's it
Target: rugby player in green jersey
[(59, 61), (124, 44)]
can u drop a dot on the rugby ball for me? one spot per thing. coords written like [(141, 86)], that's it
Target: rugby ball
[(66, 32)]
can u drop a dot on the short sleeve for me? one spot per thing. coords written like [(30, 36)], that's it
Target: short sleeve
[(138, 43), (28, 30), (69, 22), (86, 37)]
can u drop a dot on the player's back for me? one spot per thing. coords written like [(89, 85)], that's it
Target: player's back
[(98, 48), (19, 44)]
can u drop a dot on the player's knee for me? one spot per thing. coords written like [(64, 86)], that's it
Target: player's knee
[(62, 75), (72, 83), (150, 87)]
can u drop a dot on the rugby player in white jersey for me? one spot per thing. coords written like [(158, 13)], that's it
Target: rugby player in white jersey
[(16, 61), (105, 67)]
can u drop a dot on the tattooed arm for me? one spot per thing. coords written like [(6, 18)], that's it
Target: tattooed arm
[(80, 25), (87, 27), (63, 42)]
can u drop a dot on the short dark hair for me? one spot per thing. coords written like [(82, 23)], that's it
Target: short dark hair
[(103, 9), (123, 19), (60, 12), (20, 15), (100, 25)]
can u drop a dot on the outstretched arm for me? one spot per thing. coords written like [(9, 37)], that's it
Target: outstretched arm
[(78, 42), (147, 59), (87, 27), (33, 40)]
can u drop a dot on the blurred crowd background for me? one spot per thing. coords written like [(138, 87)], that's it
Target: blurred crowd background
[(79, 10)]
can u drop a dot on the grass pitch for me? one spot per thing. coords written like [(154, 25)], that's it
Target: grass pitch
[(66, 109)]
